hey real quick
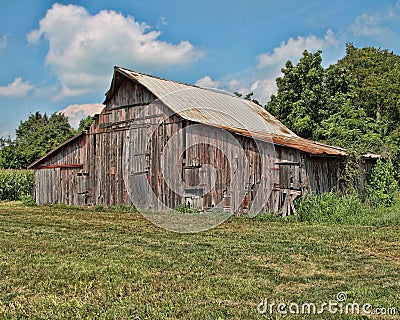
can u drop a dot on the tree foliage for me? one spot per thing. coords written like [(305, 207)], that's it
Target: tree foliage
[(301, 97), (85, 123), (382, 187), (34, 138), (354, 103)]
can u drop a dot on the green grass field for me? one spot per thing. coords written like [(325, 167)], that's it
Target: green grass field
[(64, 263)]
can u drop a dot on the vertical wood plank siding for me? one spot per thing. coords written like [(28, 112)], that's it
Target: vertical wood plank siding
[(121, 157)]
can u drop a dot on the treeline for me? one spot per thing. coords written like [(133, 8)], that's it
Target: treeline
[(354, 103), (35, 137)]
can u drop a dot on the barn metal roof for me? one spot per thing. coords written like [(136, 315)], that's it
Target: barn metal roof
[(210, 106), (224, 110)]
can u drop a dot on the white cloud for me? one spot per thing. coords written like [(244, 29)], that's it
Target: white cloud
[(83, 48), (3, 41), (394, 10), (162, 22), (261, 79), (77, 112), (261, 87), (293, 49), (366, 25), (377, 26), (17, 88), (207, 82)]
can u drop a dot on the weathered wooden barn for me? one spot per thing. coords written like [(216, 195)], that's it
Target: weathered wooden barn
[(160, 144)]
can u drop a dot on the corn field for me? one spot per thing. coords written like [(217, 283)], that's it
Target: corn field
[(15, 183)]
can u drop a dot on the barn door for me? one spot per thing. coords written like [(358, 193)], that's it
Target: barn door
[(193, 177), (137, 185), (47, 186), (82, 188), (138, 137), (290, 182), (289, 176), (74, 188)]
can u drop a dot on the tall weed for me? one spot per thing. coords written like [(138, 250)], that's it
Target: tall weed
[(348, 209), (329, 207)]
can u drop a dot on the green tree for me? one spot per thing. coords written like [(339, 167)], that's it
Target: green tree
[(301, 95), (354, 103), (376, 84), (85, 123), (34, 138), (350, 127)]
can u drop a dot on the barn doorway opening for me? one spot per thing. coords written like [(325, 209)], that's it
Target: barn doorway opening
[(288, 187)]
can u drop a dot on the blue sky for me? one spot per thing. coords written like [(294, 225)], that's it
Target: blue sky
[(59, 56)]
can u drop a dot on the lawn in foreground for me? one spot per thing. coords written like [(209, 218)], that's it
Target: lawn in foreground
[(71, 263)]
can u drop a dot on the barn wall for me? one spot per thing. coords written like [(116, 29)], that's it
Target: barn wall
[(72, 153), (127, 162), (279, 171), (47, 186), (323, 173), (214, 167), (56, 178)]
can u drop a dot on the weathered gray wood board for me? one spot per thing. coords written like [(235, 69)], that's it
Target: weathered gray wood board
[(138, 152)]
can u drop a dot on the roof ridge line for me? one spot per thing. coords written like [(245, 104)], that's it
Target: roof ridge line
[(156, 77), (216, 90)]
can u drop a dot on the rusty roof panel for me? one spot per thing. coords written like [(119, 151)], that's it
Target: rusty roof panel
[(308, 146)]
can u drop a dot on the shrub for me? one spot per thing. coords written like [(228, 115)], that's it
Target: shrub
[(28, 201), (348, 209), (15, 184), (184, 208), (121, 209), (382, 186)]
